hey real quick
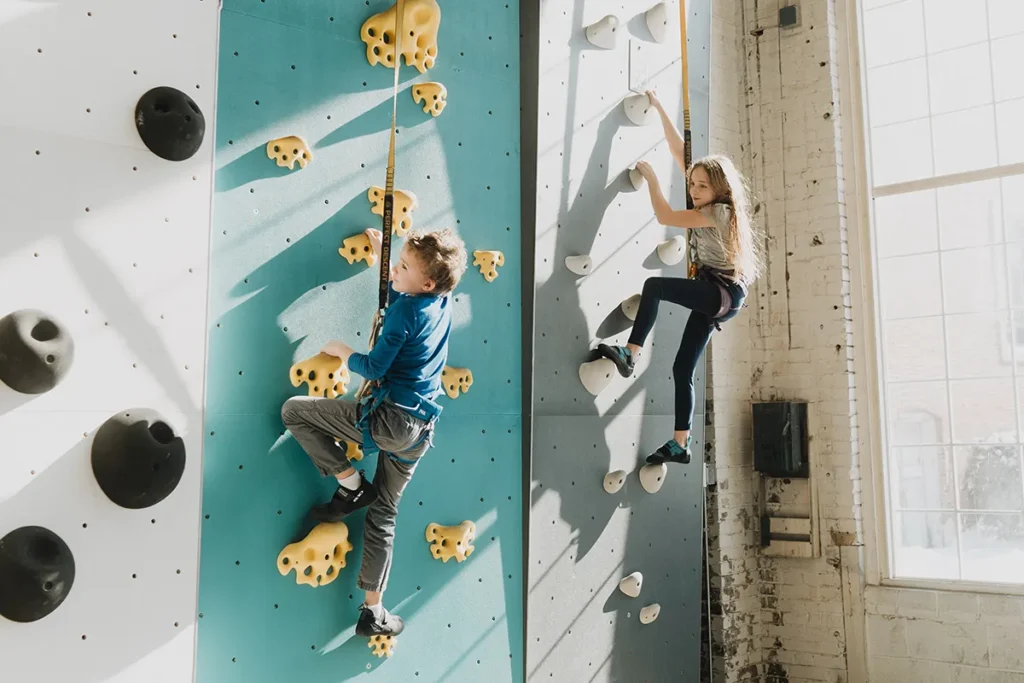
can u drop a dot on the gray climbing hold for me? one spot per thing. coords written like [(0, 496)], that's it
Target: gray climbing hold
[(37, 570), (137, 458), (36, 351), (170, 123)]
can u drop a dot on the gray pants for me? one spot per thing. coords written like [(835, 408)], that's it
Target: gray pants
[(316, 423)]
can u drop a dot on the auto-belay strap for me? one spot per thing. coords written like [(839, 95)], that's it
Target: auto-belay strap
[(389, 202), (691, 238)]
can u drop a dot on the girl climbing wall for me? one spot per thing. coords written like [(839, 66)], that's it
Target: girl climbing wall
[(727, 263)]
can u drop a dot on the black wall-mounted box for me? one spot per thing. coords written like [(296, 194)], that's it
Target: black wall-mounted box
[(780, 439)]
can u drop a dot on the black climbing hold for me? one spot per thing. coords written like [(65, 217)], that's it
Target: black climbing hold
[(137, 458), (35, 351), (37, 570), (170, 123)]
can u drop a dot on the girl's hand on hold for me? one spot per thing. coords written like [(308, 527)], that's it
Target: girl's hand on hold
[(646, 171), (653, 97)]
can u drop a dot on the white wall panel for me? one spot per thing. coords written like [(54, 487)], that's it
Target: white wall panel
[(112, 241)]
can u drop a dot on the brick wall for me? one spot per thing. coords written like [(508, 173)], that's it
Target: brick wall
[(732, 528), (944, 637), (777, 111)]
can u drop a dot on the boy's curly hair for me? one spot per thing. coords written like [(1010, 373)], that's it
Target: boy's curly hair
[(442, 254)]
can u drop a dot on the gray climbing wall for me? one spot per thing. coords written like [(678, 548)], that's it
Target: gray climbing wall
[(581, 539)]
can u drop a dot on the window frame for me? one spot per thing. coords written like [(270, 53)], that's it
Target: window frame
[(865, 308)]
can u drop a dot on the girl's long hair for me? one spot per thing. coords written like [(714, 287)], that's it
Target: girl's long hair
[(741, 244)]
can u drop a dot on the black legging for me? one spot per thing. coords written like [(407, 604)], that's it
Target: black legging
[(704, 299)]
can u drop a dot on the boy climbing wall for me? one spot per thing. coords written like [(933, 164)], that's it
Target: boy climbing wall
[(397, 418)]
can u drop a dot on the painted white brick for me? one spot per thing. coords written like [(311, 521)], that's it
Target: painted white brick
[(887, 636), (917, 603), (958, 607), (1006, 647), (971, 674), (888, 669), (1004, 610), (956, 643)]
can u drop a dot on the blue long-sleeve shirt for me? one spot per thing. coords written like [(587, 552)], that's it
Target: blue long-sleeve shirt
[(412, 347)]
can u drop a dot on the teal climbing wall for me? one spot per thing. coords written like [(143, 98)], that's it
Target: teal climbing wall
[(279, 290)]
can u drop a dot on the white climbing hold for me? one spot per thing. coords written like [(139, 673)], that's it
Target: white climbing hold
[(604, 33), (657, 21), (579, 264), (636, 179), (672, 250), (596, 375), (650, 613), (652, 477), (630, 306), (638, 109), (631, 585), (613, 481)]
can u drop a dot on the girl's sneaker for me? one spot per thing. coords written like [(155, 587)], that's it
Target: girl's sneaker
[(620, 355), (670, 452)]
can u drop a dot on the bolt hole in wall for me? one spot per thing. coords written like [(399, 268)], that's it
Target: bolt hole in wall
[(300, 176)]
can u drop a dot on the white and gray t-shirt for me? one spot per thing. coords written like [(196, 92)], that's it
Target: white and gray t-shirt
[(710, 242)]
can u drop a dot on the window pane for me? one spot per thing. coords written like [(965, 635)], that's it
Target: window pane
[(924, 545), (922, 478), (914, 349), (1020, 394), (1015, 265), (1013, 207), (952, 23), (1007, 56), (906, 223), (898, 92), (893, 33), (901, 152), (992, 547), (964, 140), (979, 345), (974, 280), (960, 79), (910, 286), (918, 413), (1011, 138), (989, 477), (970, 214), (1005, 17), (983, 410)]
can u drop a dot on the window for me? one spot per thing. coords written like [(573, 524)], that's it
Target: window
[(944, 111)]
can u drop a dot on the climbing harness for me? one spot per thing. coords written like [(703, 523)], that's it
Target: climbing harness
[(733, 293), (417, 406)]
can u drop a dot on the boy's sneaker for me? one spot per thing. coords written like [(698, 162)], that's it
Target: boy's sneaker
[(620, 355), (369, 625), (345, 502), (670, 452)]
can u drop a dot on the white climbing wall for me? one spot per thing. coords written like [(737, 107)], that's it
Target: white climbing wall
[(583, 540), (112, 241)]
